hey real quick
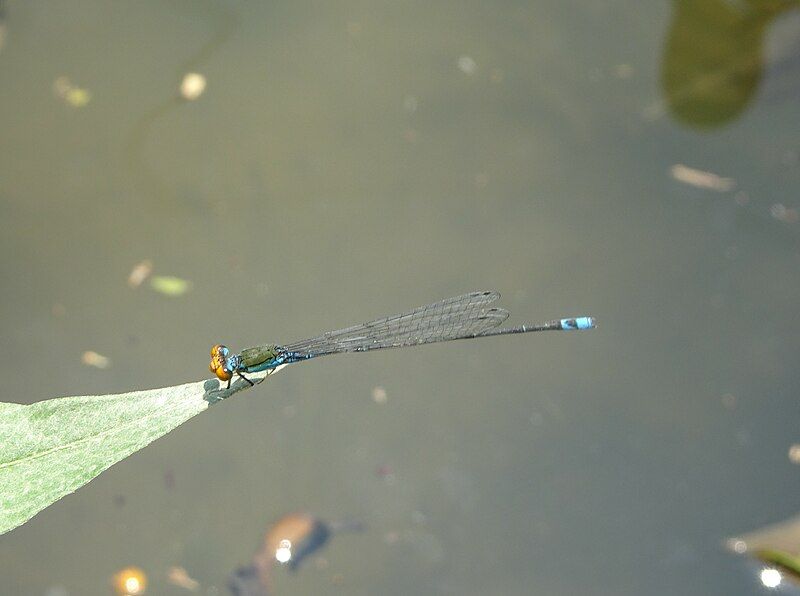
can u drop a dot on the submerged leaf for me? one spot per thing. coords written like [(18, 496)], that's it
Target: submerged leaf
[(51, 448)]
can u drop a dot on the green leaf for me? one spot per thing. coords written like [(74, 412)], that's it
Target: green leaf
[(784, 535), (51, 448), (787, 562), (777, 545)]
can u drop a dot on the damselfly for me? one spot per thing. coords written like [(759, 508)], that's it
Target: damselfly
[(463, 317)]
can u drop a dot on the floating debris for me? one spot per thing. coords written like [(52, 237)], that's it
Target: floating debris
[(58, 310), (178, 576), (467, 65), (71, 94), (701, 179), (192, 86), (139, 273), (130, 581), (794, 453), (410, 104), (90, 358), (783, 213), (170, 286), (379, 395)]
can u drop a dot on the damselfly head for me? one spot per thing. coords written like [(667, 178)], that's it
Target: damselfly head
[(219, 362)]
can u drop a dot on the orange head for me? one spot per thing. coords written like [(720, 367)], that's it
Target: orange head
[(221, 364)]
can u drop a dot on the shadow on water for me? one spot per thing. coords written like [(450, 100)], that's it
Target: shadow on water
[(714, 57), (290, 540), (149, 183)]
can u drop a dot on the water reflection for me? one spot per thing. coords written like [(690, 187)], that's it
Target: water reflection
[(130, 581), (776, 549), (289, 541), (192, 85), (714, 58), (771, 578)]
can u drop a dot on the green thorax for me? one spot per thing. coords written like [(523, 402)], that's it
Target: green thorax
[(258, 355)]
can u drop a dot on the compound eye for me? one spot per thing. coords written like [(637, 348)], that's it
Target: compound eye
[(219, 364), (219, 350), (222, 374)]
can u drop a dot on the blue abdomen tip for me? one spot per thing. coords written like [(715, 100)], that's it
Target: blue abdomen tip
[(578, 323)]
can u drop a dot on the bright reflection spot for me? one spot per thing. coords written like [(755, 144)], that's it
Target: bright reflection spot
[(131, 581), (771, 578), (192, 86), (132, 585), (284, 551)]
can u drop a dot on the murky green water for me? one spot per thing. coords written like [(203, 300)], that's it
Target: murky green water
[(353, 159)]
